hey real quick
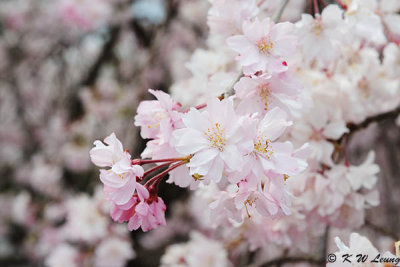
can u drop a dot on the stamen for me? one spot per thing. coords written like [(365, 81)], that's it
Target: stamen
[(264, 94), (216, 137), (262, 146), (317, 27), (197, 177), (265, 46), (285, 177)]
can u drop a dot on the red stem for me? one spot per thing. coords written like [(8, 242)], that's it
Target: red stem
[(201, 106), (156, 168), (323, 3), (148, 161), (316, 8), (260, 3), (159, 176)]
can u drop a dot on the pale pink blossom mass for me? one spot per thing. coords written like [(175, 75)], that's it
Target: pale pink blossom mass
[(272, 128)]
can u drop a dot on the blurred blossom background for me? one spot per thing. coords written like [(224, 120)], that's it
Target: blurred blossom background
[(73, 71)]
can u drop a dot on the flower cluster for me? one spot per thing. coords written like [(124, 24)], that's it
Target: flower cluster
[(253, 149), (269, 149), (131, 201), (234, 141)]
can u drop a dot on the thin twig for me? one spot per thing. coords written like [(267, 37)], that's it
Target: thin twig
[(103, 57), (278, 13), (354, 127), (316, 8)]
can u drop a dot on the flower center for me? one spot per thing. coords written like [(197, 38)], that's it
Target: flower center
[(120, 175), (250, 201), (197, 177), (265, 45), (264, 94), (262, 146), (317, 27), (216, 137), (364, 87), (159, 116), (285, 177)]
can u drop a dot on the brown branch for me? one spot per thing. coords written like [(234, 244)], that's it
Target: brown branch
[(297, 259), (325, 240), (75, 105), (377, 118), (354, 127), (16, 55), (381, 230), (104, 56)]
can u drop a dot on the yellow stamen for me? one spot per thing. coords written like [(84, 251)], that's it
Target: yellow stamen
[(197, 176), (317, 27), (264, 94), (263, 146), (285, 177), (265, 46), (216, 136)]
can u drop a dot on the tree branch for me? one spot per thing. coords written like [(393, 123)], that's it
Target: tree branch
[(381, 230), (354, 127), (298, 259), (377, 118), (104, 56)]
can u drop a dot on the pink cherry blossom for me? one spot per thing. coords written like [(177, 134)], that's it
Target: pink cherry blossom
[(157, 117), (325, 32), (120, 180), (268, 154), (269, 199), (264, 92), (225, 17), (107, 155), (215, 137), (264, 46), (142, 210)]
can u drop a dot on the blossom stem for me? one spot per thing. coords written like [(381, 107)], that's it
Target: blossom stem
[(148, 161), (201, 106), (147, 172), (153, 182), (316, 8), (279, 11), (260, 3)]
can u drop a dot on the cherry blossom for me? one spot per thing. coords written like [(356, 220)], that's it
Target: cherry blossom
[(323, 32), (271, 117), (142, 210), (157, 117), (262, 93), (264, 46), (120, 180), (215, 137)]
